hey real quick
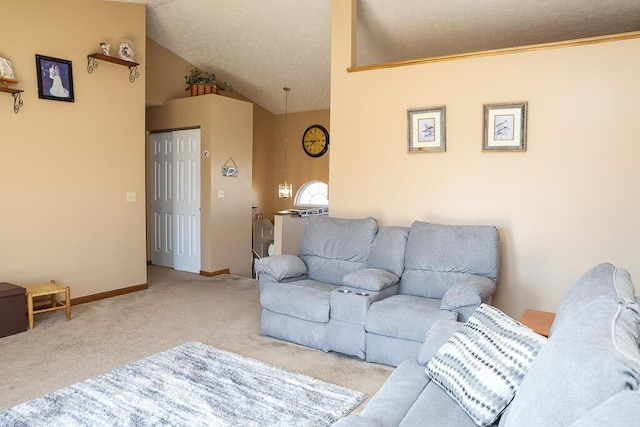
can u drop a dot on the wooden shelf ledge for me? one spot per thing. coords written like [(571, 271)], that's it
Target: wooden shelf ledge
[(10, 90), (113, 59), (92, 63)]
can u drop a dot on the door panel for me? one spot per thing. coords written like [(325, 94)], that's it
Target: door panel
[(186, 162), (162, 201), (176, 199)]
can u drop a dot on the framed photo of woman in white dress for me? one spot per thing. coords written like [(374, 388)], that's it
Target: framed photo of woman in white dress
[(55, 78)]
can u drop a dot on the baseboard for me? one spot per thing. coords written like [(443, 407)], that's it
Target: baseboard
[(215, 273), (109, 294)]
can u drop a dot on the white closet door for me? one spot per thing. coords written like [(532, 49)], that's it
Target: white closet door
[(176, 199), (186, 205), (162, 201)]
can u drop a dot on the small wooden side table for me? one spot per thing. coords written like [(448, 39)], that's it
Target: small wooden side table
[(44, 289), (539, 321)]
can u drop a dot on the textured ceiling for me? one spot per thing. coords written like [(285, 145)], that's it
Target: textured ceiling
[(260, 46)]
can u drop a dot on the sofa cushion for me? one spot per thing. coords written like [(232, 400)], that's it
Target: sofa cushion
[(334, 247), (483, 364), (439, 256), (435, 408), (304, 299), (592, 353), (405, 316), (371, 279), (388, 249), (604, 280)]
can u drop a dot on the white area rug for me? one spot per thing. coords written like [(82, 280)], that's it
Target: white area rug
[(190, 385)]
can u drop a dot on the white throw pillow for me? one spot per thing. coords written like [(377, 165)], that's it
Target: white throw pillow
[(483, 364)]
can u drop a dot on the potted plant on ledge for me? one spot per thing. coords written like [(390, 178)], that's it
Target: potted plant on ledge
[(202, 83)]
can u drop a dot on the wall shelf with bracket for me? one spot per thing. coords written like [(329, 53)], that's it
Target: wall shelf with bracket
[(15, 93), (92, 63)]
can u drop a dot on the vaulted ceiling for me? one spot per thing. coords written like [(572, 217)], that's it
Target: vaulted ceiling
[(260, 46)]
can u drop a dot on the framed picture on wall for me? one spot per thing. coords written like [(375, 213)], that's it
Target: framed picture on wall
[(505, 127), (426, 129), (55, 78)]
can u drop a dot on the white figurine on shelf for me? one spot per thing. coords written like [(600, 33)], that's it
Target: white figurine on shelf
[(105, 48), (125, 51)]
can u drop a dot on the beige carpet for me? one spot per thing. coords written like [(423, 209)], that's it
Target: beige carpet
[(221, 311)]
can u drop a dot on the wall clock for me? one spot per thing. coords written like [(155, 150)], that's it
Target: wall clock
[(315, 140)]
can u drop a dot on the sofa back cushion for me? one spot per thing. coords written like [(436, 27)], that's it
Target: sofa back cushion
[(388, 249), (439, 256), (335, 247), (592, 353)]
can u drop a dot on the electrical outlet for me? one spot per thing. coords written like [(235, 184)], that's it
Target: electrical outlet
[(131, 196), (220, 194)]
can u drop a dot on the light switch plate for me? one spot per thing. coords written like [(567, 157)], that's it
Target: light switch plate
[(220, 194), (131, 196)]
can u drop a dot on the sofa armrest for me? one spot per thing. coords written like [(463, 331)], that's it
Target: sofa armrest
[(468, 294), (279, 268), (437, 336), (370, 279)]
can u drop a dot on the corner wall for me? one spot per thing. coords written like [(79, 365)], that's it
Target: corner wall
[(166, 82), (67, 167), (564, 205), (225, 222)]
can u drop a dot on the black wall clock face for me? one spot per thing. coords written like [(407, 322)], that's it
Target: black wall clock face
[(315, 140)]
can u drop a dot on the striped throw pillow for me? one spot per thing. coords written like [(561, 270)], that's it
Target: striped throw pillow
[(483, 364)]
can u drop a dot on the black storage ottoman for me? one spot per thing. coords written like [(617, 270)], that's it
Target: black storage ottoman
[(13, 309)]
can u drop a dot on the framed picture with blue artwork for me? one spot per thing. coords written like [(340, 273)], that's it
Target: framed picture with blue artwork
[(55, 78), (426, 129), (505, 127)]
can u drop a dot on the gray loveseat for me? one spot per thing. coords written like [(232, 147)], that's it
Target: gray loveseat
[(374, 292), (586, 375)]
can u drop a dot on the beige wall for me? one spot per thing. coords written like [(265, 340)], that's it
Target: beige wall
[(166, 73), (67, 167), (566, 204)]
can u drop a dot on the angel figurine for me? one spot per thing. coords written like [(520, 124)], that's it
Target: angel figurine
[(125, 52), (105, 48)]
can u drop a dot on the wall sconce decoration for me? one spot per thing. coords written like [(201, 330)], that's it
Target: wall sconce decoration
[(285, 190)]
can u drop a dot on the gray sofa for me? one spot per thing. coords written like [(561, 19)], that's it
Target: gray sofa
[(587, 374), (374, 292)]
